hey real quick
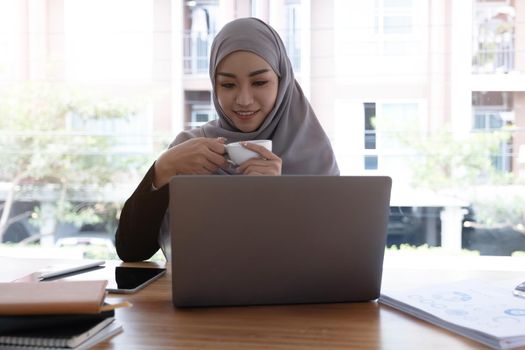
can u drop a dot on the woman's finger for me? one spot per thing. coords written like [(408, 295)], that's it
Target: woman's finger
[(209, 166), (262, 167), (216, 145), (216, 158), (259, 149)]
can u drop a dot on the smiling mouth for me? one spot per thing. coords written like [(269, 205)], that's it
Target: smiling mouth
[(245, 114)]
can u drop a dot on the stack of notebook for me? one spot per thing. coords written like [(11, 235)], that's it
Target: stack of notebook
[(55, 315)]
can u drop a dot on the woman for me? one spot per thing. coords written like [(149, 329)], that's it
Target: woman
[(256, 97)]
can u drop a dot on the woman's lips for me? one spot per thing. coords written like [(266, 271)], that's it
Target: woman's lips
[(245, 115)]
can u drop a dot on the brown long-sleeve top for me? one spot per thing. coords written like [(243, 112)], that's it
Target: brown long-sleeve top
[(137, 236)]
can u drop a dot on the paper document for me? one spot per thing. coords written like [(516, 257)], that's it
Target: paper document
[(483, 311)]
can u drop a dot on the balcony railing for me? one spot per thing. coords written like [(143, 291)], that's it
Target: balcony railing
[(494, 57), (196, 52)]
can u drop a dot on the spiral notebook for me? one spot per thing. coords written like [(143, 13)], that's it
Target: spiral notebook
[(70, 338)]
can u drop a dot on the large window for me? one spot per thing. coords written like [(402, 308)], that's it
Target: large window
[(200, 108), (430, 93), (130, 134), (494, 37), (394, 17), (292, 32), (199, 30), (370, 135), (493, 112), (394, 23)]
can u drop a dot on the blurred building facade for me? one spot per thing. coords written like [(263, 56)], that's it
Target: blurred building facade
[(367, 68)]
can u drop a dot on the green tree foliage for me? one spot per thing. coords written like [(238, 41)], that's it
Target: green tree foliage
[(446, 160), (442, 159), (463, 165), (40, 148)]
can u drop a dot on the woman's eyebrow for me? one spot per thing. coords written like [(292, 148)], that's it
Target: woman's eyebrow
[(231, 75), (251, 74), (259, 71)]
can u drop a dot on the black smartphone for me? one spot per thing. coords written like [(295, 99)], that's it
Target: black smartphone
[(121, 279)]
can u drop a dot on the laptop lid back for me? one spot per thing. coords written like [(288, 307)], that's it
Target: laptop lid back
[(250, 240)]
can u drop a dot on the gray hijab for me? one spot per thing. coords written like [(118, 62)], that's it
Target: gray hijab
[(297, 137)]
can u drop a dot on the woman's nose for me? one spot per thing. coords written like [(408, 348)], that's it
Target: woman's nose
[(244, 97)]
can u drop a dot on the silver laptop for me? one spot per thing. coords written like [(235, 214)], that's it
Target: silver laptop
[(254, 240)]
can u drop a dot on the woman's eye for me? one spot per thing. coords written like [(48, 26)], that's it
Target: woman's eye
[(260, 82)]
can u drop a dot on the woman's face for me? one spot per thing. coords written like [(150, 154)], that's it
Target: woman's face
[(246, 88)]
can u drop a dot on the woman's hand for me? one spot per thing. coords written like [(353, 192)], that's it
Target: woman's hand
[(199, 156), (269, 164)]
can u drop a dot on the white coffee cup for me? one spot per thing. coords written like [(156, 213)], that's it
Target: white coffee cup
[(238, 154)]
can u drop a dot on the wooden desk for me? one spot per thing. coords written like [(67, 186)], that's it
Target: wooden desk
[(153, 323)]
